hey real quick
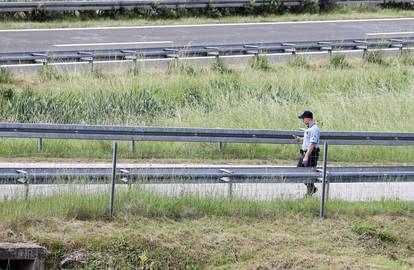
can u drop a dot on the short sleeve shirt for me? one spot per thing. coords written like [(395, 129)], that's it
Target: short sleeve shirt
[(311, 135)]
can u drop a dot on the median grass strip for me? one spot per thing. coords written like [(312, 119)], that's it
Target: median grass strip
[(344, 94), (154, 231)]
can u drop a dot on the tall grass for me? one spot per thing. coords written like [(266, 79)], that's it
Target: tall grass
[(362, 97), (138, 202)]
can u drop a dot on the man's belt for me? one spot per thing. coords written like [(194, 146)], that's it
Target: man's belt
[(304, 151)]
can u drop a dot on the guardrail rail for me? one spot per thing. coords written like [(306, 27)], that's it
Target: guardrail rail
[(133, 54)]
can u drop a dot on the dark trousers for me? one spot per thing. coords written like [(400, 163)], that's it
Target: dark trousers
[(312, 162)]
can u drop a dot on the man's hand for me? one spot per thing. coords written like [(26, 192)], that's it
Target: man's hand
[(305, 160), (297, 138)]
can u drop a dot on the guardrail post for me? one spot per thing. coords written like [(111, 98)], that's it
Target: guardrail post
[(133, 148), (325, 163), (228, 180), (39, 144), (112, 191), (220, 146), (327, 188), (25, 181), (124, 178), (230, 190)]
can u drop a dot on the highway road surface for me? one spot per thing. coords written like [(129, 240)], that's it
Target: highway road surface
[(29, 40)]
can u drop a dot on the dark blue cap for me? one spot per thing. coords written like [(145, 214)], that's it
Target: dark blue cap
[(306, 114)]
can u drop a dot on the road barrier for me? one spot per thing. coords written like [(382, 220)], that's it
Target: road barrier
[(176, 52)]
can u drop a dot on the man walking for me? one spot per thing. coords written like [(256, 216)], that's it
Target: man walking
[(310, 146)]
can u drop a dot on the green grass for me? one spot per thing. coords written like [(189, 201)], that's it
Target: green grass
[(92, 20), (138, 202), (199, 232), (359, 96)]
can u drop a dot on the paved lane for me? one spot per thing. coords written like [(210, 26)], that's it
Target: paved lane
[(164, 36)]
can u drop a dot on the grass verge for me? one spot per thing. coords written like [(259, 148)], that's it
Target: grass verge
[(344, 94), (152, 231)]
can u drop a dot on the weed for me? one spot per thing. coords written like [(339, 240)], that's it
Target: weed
[(338, 60), (6, 76), (367, 231), (299, 62), (48, 73), (376, 57), (220, 67), (407, 58), (260, 62)]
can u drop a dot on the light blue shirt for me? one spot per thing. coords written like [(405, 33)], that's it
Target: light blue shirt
[(311, 135)]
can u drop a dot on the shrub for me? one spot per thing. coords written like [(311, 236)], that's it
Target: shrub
[(367, 231), (260, 63), (338, 60), (47, 73), (6, 76), (311, 6), (327, 5), (407, 58), (221, 67), (376, 57), (299, 61)]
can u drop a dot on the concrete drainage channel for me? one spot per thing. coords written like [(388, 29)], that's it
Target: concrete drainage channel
[(22, 256)]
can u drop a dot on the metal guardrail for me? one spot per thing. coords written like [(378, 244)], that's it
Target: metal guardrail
[(131, 4), (145, 133), (214, 174), (199, 51)]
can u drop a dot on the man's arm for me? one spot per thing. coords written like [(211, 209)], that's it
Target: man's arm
[(297, 138)]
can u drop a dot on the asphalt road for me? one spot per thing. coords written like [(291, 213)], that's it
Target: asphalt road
[(166, 36)]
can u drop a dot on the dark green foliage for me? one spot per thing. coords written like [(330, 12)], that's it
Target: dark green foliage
[(327, 5), (367, 231), (407, 58), (376, 57), (299, 61), (6, 76), (220, 67), (47, 73), (260, 62), (338, 60), (311, 6)]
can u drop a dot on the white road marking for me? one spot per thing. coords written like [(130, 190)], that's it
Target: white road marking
[(389, 33), (204, 25), (112, 43)]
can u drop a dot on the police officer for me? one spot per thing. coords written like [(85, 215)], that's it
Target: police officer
[(310, 146)]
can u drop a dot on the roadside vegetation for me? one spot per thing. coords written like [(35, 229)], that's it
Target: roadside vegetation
[(309, 10), (375, 94), (152, 231)]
